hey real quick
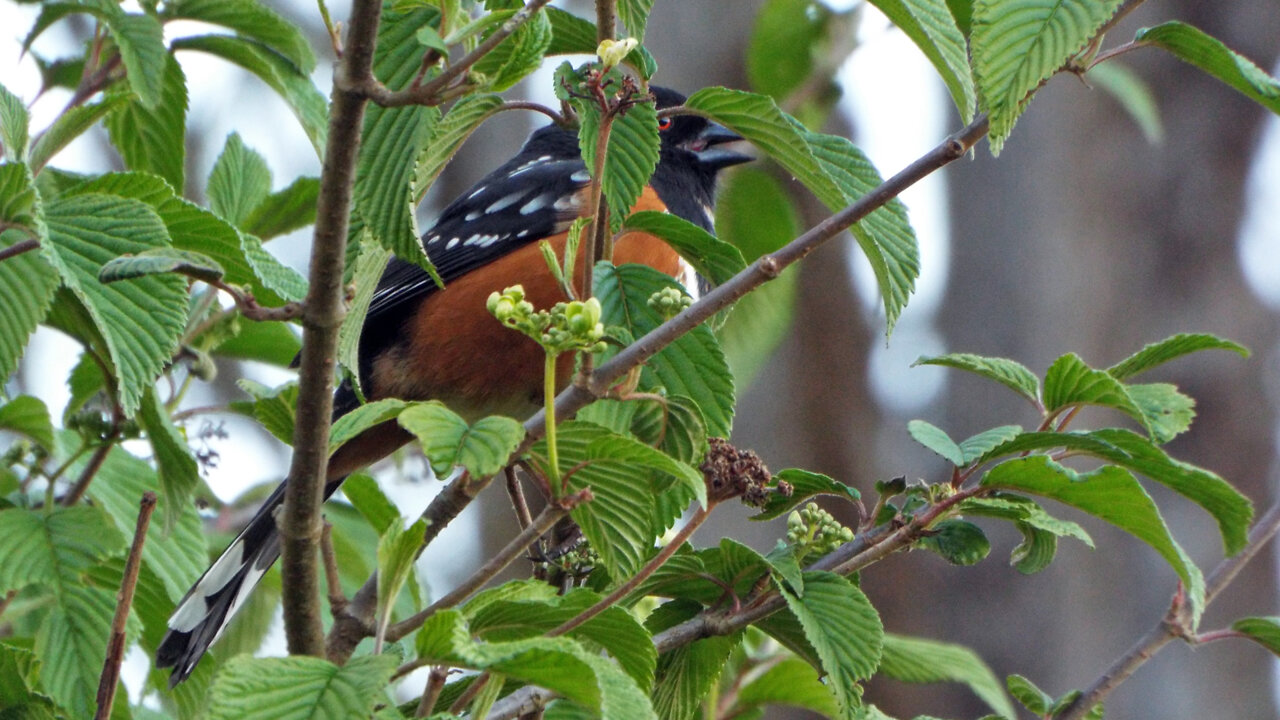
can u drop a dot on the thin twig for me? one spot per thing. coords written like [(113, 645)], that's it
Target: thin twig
[(18, 248), (556, 117), (549, 516), (431, 693), (86, 476), (248, 305), (606, 20), (516, 493), (470, 693), (110, 677), (321, 319), (337, 599)]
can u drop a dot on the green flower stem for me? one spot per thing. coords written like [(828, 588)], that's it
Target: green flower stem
[(549, 400)]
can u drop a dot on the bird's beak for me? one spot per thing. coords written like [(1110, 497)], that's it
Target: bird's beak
[(708, 146)]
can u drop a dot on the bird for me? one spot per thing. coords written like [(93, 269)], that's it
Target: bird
[(423, 342)]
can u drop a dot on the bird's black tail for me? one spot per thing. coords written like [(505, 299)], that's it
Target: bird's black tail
[(208, 606)]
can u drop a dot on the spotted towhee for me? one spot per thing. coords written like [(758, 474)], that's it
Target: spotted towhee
[(421, 342)]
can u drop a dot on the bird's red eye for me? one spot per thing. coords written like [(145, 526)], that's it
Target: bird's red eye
[(664, 123)]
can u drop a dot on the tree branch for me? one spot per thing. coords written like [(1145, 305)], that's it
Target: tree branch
[(110, 678), (606, 20), (18, 248), (300, 526)]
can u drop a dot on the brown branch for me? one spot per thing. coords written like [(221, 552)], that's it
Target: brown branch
[(431, 693), (606, 20), (249, 307), (337, 599), (438, 89), (1175, 624), (17, 248), (110, 677), (516, 493), (91, 470), (556, 117), (300, 524)]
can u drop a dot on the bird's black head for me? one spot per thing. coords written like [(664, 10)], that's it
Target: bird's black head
[(694, 150)]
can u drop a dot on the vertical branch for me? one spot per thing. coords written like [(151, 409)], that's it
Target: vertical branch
[(110, 677), (300, 525), (606, 20)]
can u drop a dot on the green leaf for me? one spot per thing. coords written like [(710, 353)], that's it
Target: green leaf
[(239, 182), (1194, 46), (179, 474), (962, 11), (1024, 510), (673, 424), (1016, 47), (1164, 410), (141, 42), (711, 257), (176, 555), (28, 415), (932, 28), (369, 266), (518, 55), (295, 88), (786, 37), (632, 154), (692, 366), (1109, 493), (571, 35), (252, 20), (274, 408), (634, 14), (141, 320), (273, 343), (1010, 373), (977, 446), (15, 125), (958, 542), (615, 629), (161, 260), (937, 440), (1069, 381), (53, 549), (755, 214), (843, 629), (397, 549), (483, 448), (625, 450), (27, 282), (71, 644), (804, 485), (1029, 441), (151, 137), (1134, 96), (364, 494), (790, 682), (1263, 630), (885, 236), (688, 674), (1031, 697), (349, 426), (72, 124), (918, 660), (1171, 348), (298, 688), (285, 211), (447, 137)]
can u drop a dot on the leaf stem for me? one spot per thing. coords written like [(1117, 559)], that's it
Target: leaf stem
[(18, 248)]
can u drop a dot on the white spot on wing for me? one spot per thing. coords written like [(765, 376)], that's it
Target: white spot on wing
[(568, 202), (580, 177), (505, 202), (473, 215), (453, 242), (535, 205)]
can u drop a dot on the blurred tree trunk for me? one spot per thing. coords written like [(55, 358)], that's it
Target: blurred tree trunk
[(1083, 238)]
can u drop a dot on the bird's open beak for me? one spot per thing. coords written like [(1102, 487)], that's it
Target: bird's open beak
[(710, 148)]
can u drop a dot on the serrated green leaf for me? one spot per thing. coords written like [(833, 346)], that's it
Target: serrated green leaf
[(1070, 381), (273, 343), (979, 445), (1263, 630), (958, 542), (687, 675), (1024, 510), (1035, 552), (274, 408), (756, 215), (1206, 52), (571, 35), (397, 549), (71, 644), (1171, 348), (27, 282), (176, 555), (791, 682), (1010, 373), (285, 211), (366, 497), (919, 660), (673, 424), (692, 366), (298, 688), (1112, 494), (253, 20), (634, 14), (615, 629), (53, 549), (518, 55), (1017, 46), (28, 415), (349, 426), (843, 629), (932, 28), (272, 274), (448, 135), (71, 125), (15, 125), (936, 439), (151, 137), (369, 266), (483, 448), (141, 320), (885, 236), (1029, 441), (140, 40), (711, 257), (295, 88), (804, 485), (239, 182), (161, 260), (1164, 410), (632, 154), (179, 474), (1026, 692), (1134, 96)]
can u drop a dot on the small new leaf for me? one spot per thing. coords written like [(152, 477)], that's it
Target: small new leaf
[(162, 260), (482, 448)]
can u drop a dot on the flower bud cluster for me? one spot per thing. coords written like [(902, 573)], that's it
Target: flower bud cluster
[(669, 302), (567, 326), (814, 531)]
